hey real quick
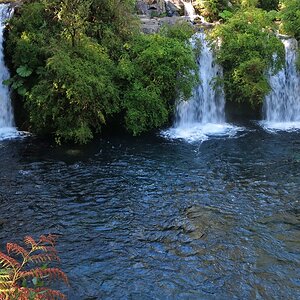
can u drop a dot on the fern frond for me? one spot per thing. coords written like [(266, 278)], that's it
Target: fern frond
[(39, 294), (28, 240), (15, 248), (40, 248), (49, 249), (4, 277), (4, 293), (44, 257), (12, 272), (8, 262), (5, 285), (49, 239), (52, 273), (51, 294)]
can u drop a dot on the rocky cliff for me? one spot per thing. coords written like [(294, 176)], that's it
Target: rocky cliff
[(155, 8)]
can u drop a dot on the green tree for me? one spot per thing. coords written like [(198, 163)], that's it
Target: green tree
[(290, 15), (249, 48), (72, 14), (156, 70), (78, 64), (76, 94), (210, 9)]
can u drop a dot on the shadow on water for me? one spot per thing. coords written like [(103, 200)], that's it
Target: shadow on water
[(148, 218)]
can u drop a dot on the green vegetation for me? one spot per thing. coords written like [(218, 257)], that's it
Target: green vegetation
[(290, 16), (79, 65), (215, 9), (248, 50)]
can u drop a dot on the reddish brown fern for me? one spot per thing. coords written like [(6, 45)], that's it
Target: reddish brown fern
[(22, 268)]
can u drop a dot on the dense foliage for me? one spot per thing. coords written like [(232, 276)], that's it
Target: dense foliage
[(83, 65), (249, 48), (80, 64), (290, 15), (218, 9)]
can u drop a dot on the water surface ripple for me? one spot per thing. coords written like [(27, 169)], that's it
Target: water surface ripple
[(147, 218)]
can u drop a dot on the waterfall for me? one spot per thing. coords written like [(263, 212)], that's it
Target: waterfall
[(207, 103), (203, 115), (7, 129), (189, 10), (282, 106)]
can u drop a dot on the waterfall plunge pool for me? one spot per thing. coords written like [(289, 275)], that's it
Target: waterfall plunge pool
[(198, 132), (150, 218)]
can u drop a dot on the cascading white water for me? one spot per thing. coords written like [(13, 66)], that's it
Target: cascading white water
[(207, 103), (203, 115), (7, 129), (282, 106), (189, 10)]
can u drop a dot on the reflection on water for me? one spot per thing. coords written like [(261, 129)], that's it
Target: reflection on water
[(148, 218)]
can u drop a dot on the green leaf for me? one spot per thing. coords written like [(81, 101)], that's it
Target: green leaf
[(22, 91), (24, 71), (24, 283), (7, 81), (34, 281), (17, 84), (32, 295)]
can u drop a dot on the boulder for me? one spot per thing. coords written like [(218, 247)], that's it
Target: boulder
[(174, 8), (152, 8), (149, 25), (142, 7)]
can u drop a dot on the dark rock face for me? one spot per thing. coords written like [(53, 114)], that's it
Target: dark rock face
[(155, 8), (151, 7), (174, 8)]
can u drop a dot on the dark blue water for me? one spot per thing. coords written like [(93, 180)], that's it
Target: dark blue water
[(148, 218)]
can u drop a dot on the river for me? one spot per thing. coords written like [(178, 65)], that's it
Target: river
[(150, 218)]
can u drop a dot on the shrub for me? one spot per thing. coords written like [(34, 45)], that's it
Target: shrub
[(290, 16), (249, 49)]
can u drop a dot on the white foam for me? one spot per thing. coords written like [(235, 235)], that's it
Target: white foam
[(7, 124), (279, 126), (198, 132), (282, 105), (10, 133)]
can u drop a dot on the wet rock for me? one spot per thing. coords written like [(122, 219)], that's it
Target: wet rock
[(174, 8), (149, 25)]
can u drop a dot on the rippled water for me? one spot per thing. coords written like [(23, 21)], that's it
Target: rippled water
[(149, 218)]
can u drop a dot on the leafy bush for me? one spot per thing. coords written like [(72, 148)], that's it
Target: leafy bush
[(20, 276), (268, 4), (79, 64), (75, 94), (290, 16), (249, 48), (211, 9), (156, 70)]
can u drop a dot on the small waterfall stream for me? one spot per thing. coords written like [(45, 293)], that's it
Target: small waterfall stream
[(282, 106), (7, 128), (203, 115), (189, 10), (207, 104)]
